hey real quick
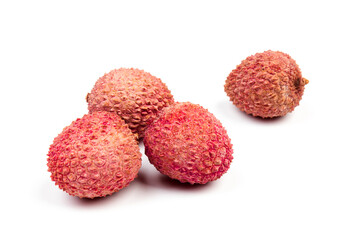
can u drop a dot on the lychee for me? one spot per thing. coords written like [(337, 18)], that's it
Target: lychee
[(268, 84), (189, 144), (135, 95), (95, 156)]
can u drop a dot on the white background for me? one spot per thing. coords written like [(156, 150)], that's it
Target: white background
[(296, 177)]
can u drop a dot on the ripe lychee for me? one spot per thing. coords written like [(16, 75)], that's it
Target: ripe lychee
[(95, 156), (267, 84), (189, 144), (135, 95)]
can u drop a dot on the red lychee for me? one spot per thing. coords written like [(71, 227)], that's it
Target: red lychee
[(267, 84), (135, 95), (95, 156), (189, 144)]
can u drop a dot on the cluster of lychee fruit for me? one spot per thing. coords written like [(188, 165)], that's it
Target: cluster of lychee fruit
[(98, 154)]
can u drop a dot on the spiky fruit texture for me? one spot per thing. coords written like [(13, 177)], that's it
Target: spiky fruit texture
[(189, 144), (267, 84), (133, 94), (95, 156)]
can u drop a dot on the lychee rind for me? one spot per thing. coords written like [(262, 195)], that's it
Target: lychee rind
[(94, 156), (135, 95), (268, 84), (189, 144)]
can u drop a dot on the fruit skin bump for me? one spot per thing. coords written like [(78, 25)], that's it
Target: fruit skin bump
[(189, 144), (133, 94), (95, 156), (267, 84)]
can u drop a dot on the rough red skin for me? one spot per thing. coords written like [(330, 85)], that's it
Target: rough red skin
[(95, 156), (135, 95), (267, 84), (189, 144)]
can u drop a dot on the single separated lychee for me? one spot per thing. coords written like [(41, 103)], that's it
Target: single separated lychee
[(135, 95), (267, 84), (95, 156), (189, 144)]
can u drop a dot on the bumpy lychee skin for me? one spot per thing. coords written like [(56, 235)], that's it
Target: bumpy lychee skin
[(267, 84), (95, 156), (133, 94), (189, 144)]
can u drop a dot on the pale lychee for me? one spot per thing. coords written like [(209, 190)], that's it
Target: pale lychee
[(268, 84), (95, 156), (135, 95), (189, 144)]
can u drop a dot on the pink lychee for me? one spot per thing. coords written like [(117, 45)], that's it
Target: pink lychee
[(189, 144), (95, 156)]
